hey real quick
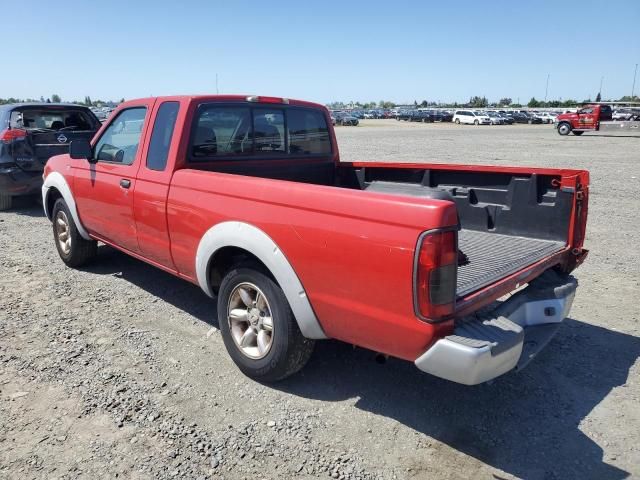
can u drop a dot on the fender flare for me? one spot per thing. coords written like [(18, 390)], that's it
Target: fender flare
[(257, 242), (57, 181)]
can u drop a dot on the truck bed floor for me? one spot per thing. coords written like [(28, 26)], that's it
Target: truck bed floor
[(493, 256)]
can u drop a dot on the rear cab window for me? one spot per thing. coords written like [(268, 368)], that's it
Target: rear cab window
[(161, 135), (222, 131)]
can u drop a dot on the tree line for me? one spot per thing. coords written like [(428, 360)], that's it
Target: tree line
[(479, 102), (55, 98)]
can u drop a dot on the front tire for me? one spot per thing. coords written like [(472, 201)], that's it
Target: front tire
[(476, 123), (5, 202), (74, 250), (258, 327), (564, 128), (457, 122)]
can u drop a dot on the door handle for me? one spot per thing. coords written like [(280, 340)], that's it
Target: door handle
[(124, 183)]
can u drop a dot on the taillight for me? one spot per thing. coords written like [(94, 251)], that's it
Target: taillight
[(436, 269), (10, 134)]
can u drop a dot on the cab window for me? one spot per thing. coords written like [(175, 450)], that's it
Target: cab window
[(161, 136), (119, 142)]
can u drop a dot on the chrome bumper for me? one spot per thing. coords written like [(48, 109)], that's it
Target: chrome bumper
[(481, 349)]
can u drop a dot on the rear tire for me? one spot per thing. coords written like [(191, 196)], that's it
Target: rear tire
[(5, 202), (74, 250), (564, 128), (457, 122), (280, 349)]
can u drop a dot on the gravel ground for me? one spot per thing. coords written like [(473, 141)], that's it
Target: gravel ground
[(118, 370)]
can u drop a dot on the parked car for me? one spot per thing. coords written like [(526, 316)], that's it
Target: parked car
[(31, 133), (547, 117), (346, 119), (436, 115), (447, 116), (421, 116), (626, 114), (496, 119), (507, 119), (470, 117), (521, 117), (366, 253), (532, 118)]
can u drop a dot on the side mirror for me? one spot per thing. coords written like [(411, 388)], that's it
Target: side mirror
[(81, 149)]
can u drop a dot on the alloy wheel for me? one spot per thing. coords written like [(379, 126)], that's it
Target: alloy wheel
[(250, 320)]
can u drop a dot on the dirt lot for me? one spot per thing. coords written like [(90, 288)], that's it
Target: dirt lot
[(118, 370)]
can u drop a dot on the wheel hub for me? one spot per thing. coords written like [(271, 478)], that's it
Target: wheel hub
[(250, 320), (63, 232)]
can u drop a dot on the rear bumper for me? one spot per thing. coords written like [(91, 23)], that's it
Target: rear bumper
[(508, 337), (14, 181)]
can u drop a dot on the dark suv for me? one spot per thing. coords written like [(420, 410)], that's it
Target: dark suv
[(30, 134)]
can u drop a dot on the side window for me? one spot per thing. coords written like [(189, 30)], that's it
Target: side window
[(586, 110), (268, 130), (161, 135), (221, 131), (308, 132), (119, 142)]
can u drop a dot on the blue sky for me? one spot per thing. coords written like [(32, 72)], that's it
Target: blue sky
[(322, 51)]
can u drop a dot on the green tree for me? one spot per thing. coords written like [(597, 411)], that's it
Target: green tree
[(504, 101), (533, 103), (629, 98), (478, 102), (55, 98), (598, 97)]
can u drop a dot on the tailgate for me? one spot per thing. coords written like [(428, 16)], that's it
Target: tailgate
[(32, 152)]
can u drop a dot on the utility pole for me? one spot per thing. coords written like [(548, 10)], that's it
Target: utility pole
[(217, 91), (546, 90), (600, 91), (633, 87)]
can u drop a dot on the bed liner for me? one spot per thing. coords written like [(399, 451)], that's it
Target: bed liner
[(492, 256)]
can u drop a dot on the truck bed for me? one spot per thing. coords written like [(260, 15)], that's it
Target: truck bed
[(491, 256)]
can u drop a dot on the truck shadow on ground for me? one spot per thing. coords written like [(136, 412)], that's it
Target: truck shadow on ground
[(525, 423)]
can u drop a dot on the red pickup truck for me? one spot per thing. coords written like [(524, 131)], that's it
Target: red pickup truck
[(463, 270)]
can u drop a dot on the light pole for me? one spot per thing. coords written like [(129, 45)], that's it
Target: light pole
[(600, 90), (546, 90), (633, 87)]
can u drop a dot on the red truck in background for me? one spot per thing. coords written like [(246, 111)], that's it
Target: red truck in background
[(247, 198), (595, 117)]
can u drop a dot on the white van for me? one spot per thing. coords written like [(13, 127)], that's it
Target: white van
[(470, 117)]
